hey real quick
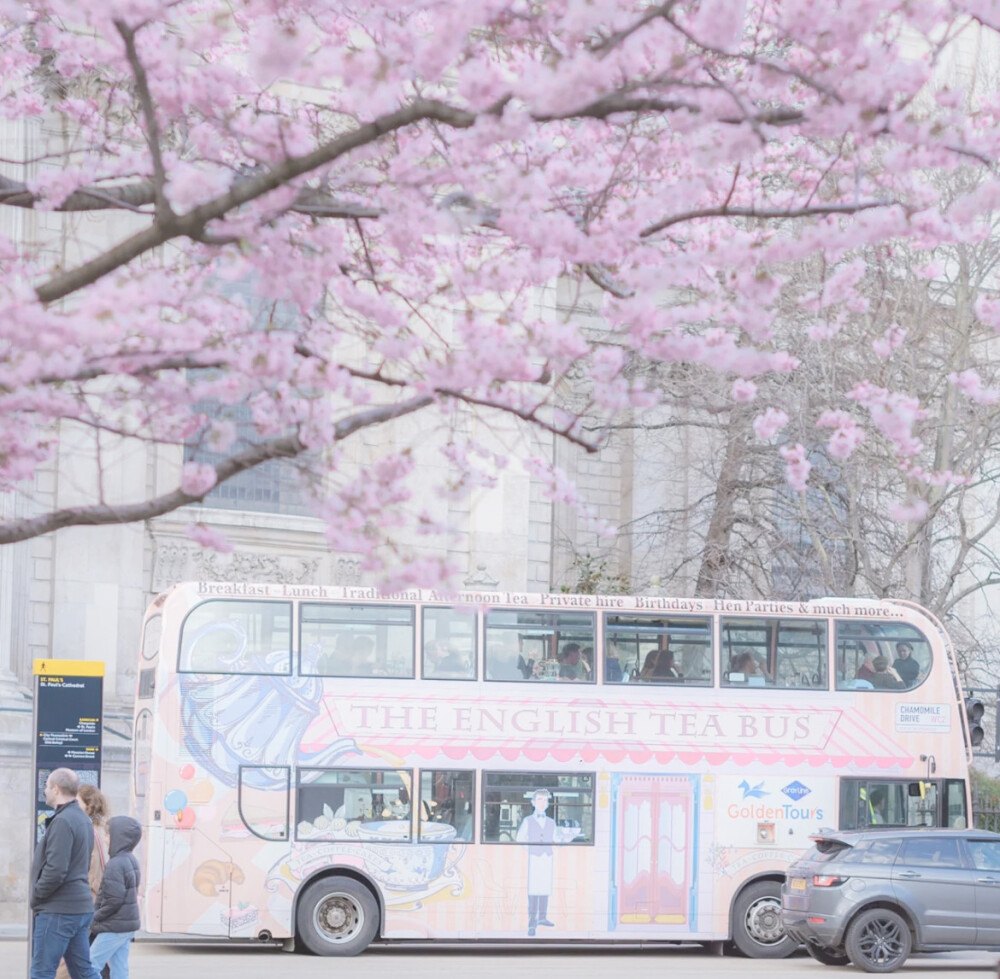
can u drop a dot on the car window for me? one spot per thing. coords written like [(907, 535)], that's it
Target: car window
[(930, 852), (985, 854), (824, 851), (882, 851)]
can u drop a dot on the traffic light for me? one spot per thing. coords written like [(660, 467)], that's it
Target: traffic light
[(974, 710)]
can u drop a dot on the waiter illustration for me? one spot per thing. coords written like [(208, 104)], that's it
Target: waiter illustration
[(538, 829)]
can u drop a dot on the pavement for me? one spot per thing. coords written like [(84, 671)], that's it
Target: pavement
[(156, 960)]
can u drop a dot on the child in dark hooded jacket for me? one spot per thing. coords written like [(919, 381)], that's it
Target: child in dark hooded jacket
[(116, 910)]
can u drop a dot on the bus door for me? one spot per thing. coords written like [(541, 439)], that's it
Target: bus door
[(257, 836), (195, 896), (653, 851)]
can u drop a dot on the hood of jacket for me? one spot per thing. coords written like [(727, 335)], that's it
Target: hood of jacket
[(124, 833)]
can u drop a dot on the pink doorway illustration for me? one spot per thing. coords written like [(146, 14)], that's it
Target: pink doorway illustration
[(654, 842)]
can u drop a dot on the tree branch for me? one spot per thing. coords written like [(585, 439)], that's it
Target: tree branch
[(192, 224), (284, 447), (149, 114), (761, 213)]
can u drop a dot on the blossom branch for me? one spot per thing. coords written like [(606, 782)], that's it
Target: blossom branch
[(761, 213), (284, 447), (149, 114)]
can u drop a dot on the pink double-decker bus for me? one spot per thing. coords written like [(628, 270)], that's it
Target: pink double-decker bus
[(334, 767)]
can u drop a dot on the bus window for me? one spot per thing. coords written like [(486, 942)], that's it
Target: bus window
[(357, 640), (142, 751), (342, 804), (449, 644), (865, 803), (881, 656), (789, 653), (538, 807), (151, 634), (956, 816), (237, 637), (522, 644), (655, 649), (262, 801), (446, 806)]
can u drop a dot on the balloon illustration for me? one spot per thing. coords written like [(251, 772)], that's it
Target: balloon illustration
[(187, 772), (185, 818), (175, 801)]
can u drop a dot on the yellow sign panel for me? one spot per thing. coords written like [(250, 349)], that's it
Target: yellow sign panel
[(68, 667)]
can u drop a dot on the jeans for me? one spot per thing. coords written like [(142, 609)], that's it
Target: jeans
[(62, 936), (112, 948)]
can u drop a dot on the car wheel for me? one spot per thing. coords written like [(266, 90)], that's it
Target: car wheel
[(878, 940), (337, 916), (828, 956), (757, 929)]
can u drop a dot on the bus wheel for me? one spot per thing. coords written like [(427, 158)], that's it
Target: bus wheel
[(337, 916), (757, 929)]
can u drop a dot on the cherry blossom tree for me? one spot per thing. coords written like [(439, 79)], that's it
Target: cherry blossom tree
[(727, 523), (406, 177)]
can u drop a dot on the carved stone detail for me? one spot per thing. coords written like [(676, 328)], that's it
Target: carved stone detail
[(347, 571), (480, 578), (177, 562)]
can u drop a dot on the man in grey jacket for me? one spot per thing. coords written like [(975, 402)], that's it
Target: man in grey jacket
[(60, 884)]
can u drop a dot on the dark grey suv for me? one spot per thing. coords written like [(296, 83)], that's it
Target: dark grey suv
[(872, 897)]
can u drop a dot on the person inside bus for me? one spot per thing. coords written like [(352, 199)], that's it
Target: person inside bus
[(649, 666), (665, 671), (502, 662), (571, 665), (362, 660), (444, 662), (867, 668), (884, 677), (613, 672), (750, 667), (876, 807), (336, 661), (907, 668)]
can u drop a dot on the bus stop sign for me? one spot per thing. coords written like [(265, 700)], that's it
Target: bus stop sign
[(69, 697)]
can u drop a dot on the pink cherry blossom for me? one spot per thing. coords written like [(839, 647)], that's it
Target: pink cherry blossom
[(449, 220), (198, 478), (911, 510), (209, 537), (797, 466), (767, 425), (971, 385)]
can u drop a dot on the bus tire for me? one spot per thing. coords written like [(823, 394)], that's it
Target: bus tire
[(757, 929), (337, 916)]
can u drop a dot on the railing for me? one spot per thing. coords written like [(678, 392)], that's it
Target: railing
[(986, 813)]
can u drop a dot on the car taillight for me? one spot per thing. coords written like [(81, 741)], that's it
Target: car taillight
[(827, 880)]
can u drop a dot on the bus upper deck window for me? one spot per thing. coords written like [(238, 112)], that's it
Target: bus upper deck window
[(449, 644), (357, 640), (524, 644), (786, 653), (232, 636), (881, 655), (657, 649)]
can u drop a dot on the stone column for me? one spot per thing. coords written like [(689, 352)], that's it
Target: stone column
[(13, 608)]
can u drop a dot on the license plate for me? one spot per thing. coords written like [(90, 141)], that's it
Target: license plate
[(798, 884)]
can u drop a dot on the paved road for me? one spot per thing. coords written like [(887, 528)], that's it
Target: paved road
[(154, 961)]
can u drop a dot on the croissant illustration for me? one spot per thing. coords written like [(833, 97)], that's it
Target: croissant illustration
[(213, 874)]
